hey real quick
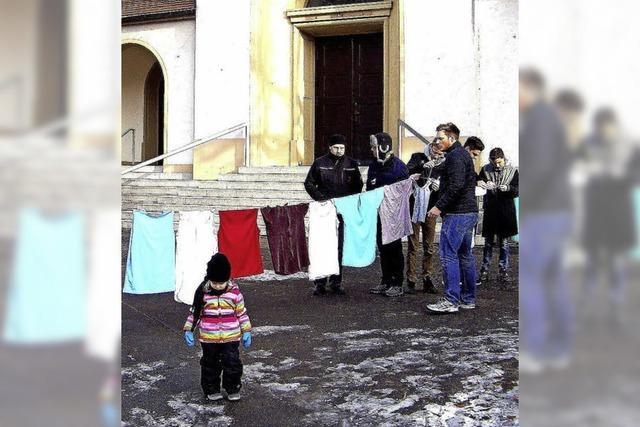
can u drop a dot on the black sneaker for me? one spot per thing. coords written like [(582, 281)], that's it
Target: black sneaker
[(411, 287), (337, 289), (483, 278), (428, 287), (504, 277), (319, 290)]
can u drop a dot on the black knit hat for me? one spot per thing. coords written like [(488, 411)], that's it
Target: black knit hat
[(382, 140), (218, 268), (337, 139)]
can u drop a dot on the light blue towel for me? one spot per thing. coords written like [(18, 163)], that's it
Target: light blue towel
[(46, 301), (151, 261), (360, 215)]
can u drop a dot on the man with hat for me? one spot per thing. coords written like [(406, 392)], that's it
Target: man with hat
[(330, 176)]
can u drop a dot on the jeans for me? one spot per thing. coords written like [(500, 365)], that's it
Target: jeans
[(223, 358), (503, 244), (428, 228), (458, 263), (546, 309)]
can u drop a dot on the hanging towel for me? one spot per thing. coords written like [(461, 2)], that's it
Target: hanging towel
[(103, 298), (239, 240), (323, 240), (152, 254), (196, 243), (421, 202), (286, 237), (46, 302), (395, 216), (360, 215)]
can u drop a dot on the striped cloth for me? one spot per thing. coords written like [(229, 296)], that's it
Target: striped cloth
[(224, 318)]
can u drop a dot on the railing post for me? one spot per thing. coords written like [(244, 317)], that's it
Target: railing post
[(399, 139)]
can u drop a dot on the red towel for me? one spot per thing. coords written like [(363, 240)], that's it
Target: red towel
[(239, 240)]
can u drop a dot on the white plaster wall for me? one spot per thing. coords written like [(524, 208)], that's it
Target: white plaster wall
[(589, 46), (461, 66), (497, 41), (222, 66), (136, 63), (94, 52), (174, 43), (18, 45), (440, 66)]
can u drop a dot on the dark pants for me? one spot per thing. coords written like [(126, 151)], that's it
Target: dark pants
[(336, 279), (391, 260), (487, 253), (219, 359)]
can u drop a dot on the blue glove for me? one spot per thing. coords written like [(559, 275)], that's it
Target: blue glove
[(188, 337), (246, 340)]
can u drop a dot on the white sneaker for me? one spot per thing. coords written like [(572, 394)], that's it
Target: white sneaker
[(234, 397), (214, 396), (443, 306), (469, 306)]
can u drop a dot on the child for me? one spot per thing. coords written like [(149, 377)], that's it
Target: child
[(499, 221), (219, 313)]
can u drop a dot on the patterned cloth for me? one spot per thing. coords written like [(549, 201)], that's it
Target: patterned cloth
[(223, 318), (421, 201), (394, 211)]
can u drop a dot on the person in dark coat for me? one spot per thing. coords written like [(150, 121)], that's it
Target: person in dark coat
[(330, 176), (499, 221), (428, 166), (388, 169)]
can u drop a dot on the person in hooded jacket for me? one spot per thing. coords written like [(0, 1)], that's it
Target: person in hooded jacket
[(330, 176), (388, 169)]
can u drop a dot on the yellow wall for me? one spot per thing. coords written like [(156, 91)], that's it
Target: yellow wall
[(271, 90), (217, 157)]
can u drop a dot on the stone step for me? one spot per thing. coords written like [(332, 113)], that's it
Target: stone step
[(181, 200), (130, 193), (283, 177), (240, 185), (278, 170), (144, 169), (157, 175)]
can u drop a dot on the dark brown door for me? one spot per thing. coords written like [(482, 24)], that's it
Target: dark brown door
[(349, 92)]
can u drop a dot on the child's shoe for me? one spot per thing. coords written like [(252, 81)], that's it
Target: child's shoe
[(319, 290), (233, 397), (215, 396)]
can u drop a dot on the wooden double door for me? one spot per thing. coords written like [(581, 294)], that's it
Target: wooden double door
[(349, 92)]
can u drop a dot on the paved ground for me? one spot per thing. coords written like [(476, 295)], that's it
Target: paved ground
[(359, 359)]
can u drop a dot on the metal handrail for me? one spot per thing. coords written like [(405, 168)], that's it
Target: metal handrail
[(133, 143), (403, 124), (194, 144)]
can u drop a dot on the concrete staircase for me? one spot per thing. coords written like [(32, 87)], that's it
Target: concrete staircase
[(154, 191)]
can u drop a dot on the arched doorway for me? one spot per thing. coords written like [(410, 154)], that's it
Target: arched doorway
[(143, 104)]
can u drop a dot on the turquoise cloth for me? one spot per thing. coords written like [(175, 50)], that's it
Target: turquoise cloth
[(516, 238), (360, 215), (151, 262), (46, 301), (635, 200)]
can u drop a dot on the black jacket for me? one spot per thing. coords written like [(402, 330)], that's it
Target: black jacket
[(457, 182), (543, 146), (389, 172), (499, 216), (331, 176), (416, 165)]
